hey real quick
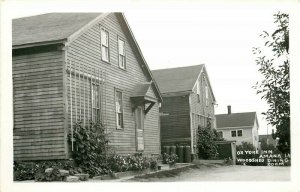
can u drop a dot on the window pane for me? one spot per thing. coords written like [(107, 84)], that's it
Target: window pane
[(121, 47), (220, 133), (240, 133), (122, 61), (104, 37), (119, 109), (104, 51), (233, 133)]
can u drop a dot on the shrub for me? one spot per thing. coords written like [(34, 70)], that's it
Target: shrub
[(136, 162), (36, 169), (153, 164), (90, 146), (169, 159), (206, 143), (24, 171), (117, 163)]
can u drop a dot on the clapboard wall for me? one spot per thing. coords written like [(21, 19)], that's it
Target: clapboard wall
[(85, 51), (201, 112), (38, 103)]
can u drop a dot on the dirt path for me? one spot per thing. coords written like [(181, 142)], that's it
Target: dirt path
[(226, 173)]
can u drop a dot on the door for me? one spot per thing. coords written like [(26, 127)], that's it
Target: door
[(139, 126)]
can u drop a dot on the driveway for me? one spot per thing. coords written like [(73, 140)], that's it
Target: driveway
[(215, 172)]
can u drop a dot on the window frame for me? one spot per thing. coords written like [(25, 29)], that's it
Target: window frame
[(198, 92), (124, 52), (93, 103), (221, 135), (233, 131), (106, 46), (237, 133), (206, 95), (122, 109)]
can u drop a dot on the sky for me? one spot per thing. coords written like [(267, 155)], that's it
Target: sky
[(221, 37)]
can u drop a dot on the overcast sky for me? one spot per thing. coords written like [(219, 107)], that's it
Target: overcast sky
[(221, 37)]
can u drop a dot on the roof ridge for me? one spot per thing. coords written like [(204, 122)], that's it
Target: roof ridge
[(23, 17), (178, 67), (236, 113)]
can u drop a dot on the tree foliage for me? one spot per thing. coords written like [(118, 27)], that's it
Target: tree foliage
[(275, 86), (206, 142)]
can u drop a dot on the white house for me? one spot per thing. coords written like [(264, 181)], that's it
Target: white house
[(241, 127)]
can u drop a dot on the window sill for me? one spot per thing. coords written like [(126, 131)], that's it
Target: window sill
[(124, 69), (120, 128), (105, 61)]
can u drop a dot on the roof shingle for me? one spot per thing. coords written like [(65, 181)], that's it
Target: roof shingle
[(177, 79), (235, 119), (48, 27)]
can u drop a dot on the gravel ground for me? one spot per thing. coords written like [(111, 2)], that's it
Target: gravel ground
[(214, 172)]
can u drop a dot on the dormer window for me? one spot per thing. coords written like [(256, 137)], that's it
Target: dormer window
[(104, 45)]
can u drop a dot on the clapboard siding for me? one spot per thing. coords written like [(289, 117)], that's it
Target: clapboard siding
[(175, 119), (200, 111), (38, 106), (85, 51)]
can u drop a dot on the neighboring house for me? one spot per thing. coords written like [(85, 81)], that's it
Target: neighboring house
[(188, 102), (71, 67), (241, 127)]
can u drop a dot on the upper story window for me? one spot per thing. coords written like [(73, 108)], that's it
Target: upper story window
[(198, 90), (121, 53), (104, 45), (119, 109), (206, 95)]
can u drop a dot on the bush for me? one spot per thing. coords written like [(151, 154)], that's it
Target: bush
[(136, 162), (90, 146), (169, 159), (36, 169), (24, 171), (206, 143)]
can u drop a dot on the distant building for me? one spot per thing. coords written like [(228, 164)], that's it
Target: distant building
[(188, 103), (241, 127), (268, 139)]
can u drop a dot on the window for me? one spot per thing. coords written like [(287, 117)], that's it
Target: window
[(119, 109), (220, 133), (95, 103), (198, 90), (233, 133), (121, 50), (104, 45), (240, 133), (206, 95)]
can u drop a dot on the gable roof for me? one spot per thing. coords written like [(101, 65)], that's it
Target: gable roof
[(65, 27), (236, 120), (48, 27), (178, 79)]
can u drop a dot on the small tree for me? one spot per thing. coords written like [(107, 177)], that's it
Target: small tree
[(275, 87), (206, 143)]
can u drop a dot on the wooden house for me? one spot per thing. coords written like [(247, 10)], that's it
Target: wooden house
[(71, 67), (241, 127), (188, 102)]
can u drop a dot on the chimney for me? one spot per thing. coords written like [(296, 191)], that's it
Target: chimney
[(229, 109)]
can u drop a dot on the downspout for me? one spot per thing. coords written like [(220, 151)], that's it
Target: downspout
[(191, 124)]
